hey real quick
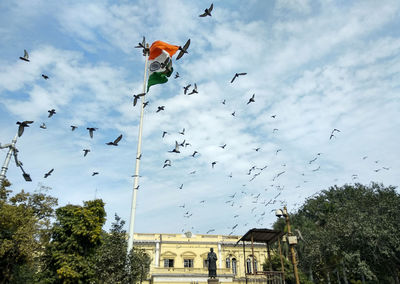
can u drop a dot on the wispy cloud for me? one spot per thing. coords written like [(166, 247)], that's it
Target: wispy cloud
[(314, 66)]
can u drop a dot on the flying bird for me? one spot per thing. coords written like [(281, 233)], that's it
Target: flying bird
[(164, 133), (95, 173), (145, 104), (136, 97), (194, 91), (207, 12), (224, 102), (333, 131), (115, 142), (22, 126), (167, 163), (213, 164), (181, 186), (209, 231), (194, 153), (177, 75), (139, 157), (48, 173), (237, 75), (316, 169), (257, 149), (73, 127), (251, 100), (313, 160), (91, 130), (182, 132), (233, 113), (43, 126), (300, 235), (273, 116), (275, 129), (160, 108), (183, 49), (277, 151), (51, 112), (85, 152), (45, 76), (223, 146), (141, 44), (26, 56), (186, 88), (176, 149)]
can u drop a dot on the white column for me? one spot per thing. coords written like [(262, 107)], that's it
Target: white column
[(157, 262), (219, 255)]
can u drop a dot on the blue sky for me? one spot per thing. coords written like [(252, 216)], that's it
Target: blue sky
[(314, 65)]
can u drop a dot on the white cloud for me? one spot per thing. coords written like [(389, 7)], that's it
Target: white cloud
[(320, 67)]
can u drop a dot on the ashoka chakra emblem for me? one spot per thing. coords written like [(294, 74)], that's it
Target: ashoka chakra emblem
[(154, 66)]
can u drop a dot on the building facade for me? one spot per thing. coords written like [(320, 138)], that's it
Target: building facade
[(181, 258)]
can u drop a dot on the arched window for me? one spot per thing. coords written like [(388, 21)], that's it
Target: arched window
[(255, 265), (234, 266), (228, 262), (248, 265)]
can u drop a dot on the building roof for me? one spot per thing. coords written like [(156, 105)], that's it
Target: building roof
[(261, 235)]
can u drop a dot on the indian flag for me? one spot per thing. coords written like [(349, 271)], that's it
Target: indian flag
[(160, 63)]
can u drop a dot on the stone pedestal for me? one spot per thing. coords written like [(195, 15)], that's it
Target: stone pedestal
[(213, 281)]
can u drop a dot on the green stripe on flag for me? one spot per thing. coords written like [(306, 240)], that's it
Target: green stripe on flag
[(159, 78)]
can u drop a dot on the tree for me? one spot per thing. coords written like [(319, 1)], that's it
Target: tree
[(24, 231), (139, 265), (111, 257), (113, 264), (288, 267), (350, 233), (76, 235)]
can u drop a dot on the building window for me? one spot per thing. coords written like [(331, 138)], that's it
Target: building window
[(255, 265), (234, 266), (248, 265), (188, 262), (228, 262), (168, 263)]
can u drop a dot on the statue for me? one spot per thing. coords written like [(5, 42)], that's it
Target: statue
[(212, 264)]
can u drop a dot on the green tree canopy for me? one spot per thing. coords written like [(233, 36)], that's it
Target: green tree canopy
[(24, 231), (350, 233), (76, 235)]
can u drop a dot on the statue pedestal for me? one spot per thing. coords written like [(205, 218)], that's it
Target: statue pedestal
[(213, 281)]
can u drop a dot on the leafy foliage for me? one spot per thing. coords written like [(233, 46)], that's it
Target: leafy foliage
[(76, 235), (350, 232), (24, 230), (288, 268), (139, 265), (113, 264)]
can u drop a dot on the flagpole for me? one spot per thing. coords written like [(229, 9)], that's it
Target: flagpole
[(138, 154)]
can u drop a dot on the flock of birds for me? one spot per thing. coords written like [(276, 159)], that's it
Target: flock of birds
[(260, 203)]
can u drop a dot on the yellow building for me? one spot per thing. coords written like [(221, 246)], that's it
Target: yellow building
[(181, 258)]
